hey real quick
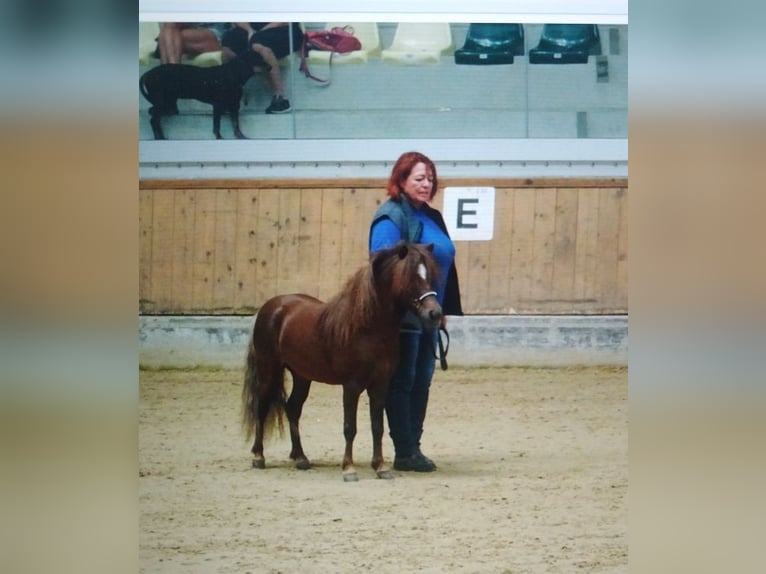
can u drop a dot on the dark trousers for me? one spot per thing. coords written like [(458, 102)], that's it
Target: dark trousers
[(408, 391)]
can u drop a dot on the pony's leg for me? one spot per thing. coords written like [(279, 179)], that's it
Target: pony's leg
[(259, 461), (377, 394), (350, 405), (294, 408), (270, 380)]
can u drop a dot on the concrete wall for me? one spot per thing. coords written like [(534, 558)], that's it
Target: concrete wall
[(548, 340)]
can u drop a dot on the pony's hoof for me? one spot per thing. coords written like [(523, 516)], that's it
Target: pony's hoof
[(302, 464), (386, 474), (259, 463), (350, 477)]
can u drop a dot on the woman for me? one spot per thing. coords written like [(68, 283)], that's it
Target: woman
[(407, 215)]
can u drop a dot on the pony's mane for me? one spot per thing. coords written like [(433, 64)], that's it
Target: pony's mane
[(354, 308)]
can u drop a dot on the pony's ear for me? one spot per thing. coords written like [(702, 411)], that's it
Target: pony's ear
[(401, 249), (430, 247)]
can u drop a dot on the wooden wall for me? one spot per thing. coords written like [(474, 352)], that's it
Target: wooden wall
[(224, 247)]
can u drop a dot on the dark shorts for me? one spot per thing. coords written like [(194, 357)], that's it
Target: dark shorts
[(277, 39), (217, 28)]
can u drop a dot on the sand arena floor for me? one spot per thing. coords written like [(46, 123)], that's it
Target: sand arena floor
[(533, 477)]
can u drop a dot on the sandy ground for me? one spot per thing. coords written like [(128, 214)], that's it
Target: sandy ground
[(532, 477)]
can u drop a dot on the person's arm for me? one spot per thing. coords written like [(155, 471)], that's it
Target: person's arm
[(384, 235)]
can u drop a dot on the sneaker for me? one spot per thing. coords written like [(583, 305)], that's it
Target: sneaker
[(279, 105), (416, 462)]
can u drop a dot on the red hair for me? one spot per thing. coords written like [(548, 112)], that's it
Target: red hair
[(402, 170)]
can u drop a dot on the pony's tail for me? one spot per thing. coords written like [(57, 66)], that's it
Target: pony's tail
[(270, 393)]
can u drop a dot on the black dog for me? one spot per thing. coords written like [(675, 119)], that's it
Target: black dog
[(220, 85)]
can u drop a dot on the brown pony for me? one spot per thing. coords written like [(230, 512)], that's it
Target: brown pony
[(352, 340)]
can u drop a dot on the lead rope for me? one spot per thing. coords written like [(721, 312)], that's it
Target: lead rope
[(442, 356)]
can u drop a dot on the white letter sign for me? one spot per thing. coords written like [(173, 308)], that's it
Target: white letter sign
[(469, 212)]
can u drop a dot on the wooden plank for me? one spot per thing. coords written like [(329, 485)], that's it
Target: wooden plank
[(224, 253), (522, 249), (145, 207), (330, 242), (288, 278), (585, 246), (162, 258), (371, 200), (182, 249), (621, 304), (543, 246), (204, 251), (564, 245), (354, 235), (267, 233), (246, 260), (606, 250), (499, 265), (309, 241), (478, 276)]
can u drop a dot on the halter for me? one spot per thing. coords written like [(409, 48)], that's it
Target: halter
[(419, 300)]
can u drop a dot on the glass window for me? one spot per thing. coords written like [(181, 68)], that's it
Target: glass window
[(414, 81)]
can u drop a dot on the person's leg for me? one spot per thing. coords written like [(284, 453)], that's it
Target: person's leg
[(402, 409), (399, 402), (279, 103), (424, 371), (275, 74), (272, 45), (169, 42)]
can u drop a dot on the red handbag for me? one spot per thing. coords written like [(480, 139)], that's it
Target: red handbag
[(336, 41)]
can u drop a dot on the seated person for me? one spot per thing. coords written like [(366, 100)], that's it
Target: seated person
[(191, 38), (270, 40)]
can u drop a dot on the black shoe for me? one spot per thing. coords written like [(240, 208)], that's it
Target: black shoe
[(417, 463), (425, 458), (279, 105)]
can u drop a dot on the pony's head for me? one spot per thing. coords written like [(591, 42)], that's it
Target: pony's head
[(409, 272)]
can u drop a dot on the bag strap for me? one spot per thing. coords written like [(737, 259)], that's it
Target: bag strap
[(304, 67)]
